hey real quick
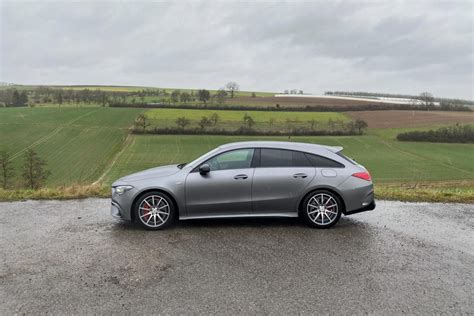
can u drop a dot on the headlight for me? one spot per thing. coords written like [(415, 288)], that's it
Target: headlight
[(121, 189)]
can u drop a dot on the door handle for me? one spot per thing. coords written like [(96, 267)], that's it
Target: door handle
[(241, 176), (300, 175)]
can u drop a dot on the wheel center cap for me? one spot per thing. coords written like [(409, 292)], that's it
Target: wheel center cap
[(322, 209)]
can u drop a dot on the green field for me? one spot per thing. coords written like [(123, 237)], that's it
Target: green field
[(84, 145), (77, 144), (387, 159), (265, 120)]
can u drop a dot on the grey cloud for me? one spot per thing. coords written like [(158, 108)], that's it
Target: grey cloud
[(404, 47)]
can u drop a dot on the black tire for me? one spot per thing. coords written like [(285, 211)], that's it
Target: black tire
[(319, 218), (158, 220)]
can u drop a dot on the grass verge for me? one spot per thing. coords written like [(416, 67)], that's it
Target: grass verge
[(444, 192)]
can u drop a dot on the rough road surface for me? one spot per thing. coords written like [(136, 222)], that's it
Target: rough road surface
[(66, 257)]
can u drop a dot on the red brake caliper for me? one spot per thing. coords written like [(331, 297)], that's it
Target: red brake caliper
[(146, 212)]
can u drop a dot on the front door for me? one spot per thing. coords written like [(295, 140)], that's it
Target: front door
[(226, 189)]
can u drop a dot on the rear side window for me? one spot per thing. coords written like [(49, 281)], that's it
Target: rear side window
[(352, 161), (323, 162), (282, 158)]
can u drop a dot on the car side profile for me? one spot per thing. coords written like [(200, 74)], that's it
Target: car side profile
[(248, 179)]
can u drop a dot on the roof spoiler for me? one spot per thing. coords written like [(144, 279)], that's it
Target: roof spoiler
[(334, 149)]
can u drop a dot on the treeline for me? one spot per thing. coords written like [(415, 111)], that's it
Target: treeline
[(394, 95), (307, 108), (243, 131), (60, 95), (452, 134), (248, 126), (13, 97)]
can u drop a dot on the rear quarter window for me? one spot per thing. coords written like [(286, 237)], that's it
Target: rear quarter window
[(323, 162)]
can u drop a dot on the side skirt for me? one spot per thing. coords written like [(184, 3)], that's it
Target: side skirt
[(294, 214)]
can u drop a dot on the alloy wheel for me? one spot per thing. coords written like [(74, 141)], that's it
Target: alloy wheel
[(322, 209), (154, 211)]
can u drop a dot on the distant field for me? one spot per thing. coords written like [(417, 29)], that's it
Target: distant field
[(387, 159), (272, 101), (77, 143), (394, 119), (234, 119), (134, 89)]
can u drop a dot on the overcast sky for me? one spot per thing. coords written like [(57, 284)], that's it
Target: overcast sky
[(396, 47)]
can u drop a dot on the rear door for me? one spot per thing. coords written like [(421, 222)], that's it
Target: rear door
[(279, 180)]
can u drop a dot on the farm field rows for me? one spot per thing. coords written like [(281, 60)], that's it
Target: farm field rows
[(233, 119), (76, 143), (394, 119), (387, 159)]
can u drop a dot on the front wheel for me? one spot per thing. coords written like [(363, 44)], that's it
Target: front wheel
[(154, 211), (321, 209)]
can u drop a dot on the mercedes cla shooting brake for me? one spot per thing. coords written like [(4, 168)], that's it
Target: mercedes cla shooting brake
[(248, 179)]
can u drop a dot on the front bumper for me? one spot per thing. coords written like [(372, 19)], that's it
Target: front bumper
[(115, 210)]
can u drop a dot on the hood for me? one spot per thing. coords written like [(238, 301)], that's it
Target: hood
[(162, 171)]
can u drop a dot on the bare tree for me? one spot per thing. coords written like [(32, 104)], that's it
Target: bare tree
[(6, 169), (214, 118), (34, 173), (312, 122), (427, 100), (232, 87), (185, 97), (248, 120), (361, 125), (204, 95), (175, 96), (205, 121), (220, 96), (142, 122), (182, 122), (271, 121)]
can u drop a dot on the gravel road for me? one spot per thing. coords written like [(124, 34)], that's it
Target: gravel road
[(66, 257)]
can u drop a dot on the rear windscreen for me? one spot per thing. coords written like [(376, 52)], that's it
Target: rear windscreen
[(352, 161)]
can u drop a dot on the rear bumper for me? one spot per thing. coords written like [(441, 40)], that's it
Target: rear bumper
[(368, 207)]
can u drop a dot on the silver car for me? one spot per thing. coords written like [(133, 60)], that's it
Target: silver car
[(248, 179)]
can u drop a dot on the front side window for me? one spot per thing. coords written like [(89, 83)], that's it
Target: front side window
[(235, 159), (282, 158)]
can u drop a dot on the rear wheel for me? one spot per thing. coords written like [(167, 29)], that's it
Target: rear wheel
[(154, 211), (321, 209)]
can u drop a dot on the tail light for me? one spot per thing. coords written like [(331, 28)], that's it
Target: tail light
[(363, 175)]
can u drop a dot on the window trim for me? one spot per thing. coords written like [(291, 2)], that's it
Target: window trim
[(259, 164)]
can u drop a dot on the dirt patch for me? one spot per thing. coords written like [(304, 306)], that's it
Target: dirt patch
[(394, 119)]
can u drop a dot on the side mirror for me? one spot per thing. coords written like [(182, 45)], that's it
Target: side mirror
[(204, 169)]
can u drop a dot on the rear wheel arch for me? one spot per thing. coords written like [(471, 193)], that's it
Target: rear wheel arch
[(138, 196), (329, 189)]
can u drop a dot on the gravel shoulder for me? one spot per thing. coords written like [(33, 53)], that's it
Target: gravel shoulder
[(72, 257)]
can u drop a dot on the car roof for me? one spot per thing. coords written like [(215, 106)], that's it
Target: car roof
[(307, 147)]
